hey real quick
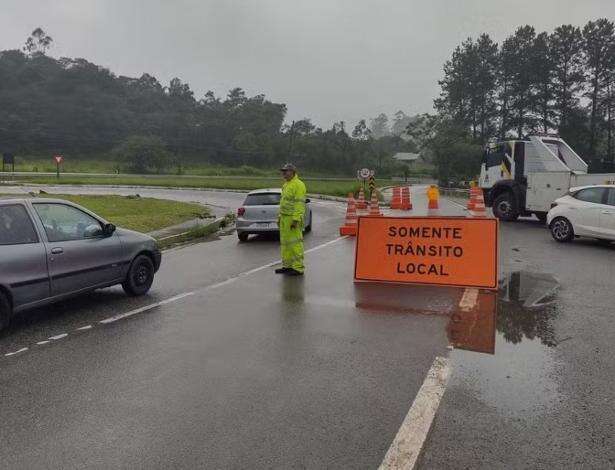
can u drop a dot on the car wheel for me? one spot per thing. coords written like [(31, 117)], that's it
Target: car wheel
[(505, 207), (140, 276), (5, 311), (243, 236), (562, 230)]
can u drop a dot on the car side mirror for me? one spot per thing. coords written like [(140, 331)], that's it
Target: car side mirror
[(93, 231), (308, 200), (108, 230)]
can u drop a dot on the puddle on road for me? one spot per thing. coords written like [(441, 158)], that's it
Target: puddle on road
[(519, 374), (511, 330)]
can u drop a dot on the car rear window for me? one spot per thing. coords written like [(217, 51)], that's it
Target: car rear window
[(595, 195), (15, 226), (262, 199)]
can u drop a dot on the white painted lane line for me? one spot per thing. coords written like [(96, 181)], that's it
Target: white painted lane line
[(175, 298), (468, 300), (266, 266), (144, 309), (60, 336), (407, 445), (16, 352)]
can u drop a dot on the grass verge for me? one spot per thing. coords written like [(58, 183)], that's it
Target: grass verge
[(137, 213)]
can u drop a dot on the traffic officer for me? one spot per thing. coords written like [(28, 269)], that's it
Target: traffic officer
[(290, 221)]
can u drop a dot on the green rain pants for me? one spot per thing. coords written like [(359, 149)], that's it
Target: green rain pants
[(291, 244)]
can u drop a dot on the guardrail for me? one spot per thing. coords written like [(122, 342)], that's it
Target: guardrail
[(455, 193)]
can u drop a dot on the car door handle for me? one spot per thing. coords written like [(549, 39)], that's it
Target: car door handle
[(57, 251)]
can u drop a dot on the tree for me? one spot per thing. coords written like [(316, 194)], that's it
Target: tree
[(542, 95), (380, 126), (143, 154), (599, 48), (566, 57), (37, 43), (361, 131), (400, 123)]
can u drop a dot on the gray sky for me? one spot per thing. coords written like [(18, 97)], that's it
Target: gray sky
[(326, 59)]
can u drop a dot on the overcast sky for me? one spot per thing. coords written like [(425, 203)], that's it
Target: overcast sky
[(328, 60)]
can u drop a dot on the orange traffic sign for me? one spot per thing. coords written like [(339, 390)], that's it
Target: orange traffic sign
[(449, 251)]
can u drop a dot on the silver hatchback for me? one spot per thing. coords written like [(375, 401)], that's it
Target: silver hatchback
[(51, 249), (259, 213)]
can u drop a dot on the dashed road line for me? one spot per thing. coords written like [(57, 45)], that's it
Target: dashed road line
[(130, 313), (16, 352), (60, 336), (175, 298)]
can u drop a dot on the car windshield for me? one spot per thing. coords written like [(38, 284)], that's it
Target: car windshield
[(262, 199)]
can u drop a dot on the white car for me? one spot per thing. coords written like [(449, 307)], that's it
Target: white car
[(587, 211)]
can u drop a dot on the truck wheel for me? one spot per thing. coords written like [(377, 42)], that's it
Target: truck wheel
[(140, 276), (562, 230), (542, 218), (505, 207), (243, 236), (5, 311)]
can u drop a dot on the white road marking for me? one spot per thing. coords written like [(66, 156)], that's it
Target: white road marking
[(16, 352), (266, 266), (468, 300), (407, 445), (60, 336), (145, 308), (175, 298)]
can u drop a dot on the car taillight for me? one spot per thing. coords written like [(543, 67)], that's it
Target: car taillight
[(241, 211)]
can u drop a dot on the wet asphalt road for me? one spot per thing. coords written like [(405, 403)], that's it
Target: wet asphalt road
[(263, 371)]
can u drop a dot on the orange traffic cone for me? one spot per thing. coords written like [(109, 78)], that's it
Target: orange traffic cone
[(472, 200), (396, 201), (374, 207), (350, 225), (406, 202), (361, 204), (433, 195), (479, 206)]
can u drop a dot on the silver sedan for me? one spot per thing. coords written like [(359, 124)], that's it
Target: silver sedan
[(259, 213), (51, 249)]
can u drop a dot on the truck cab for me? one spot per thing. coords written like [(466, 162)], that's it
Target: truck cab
[(523, 177)]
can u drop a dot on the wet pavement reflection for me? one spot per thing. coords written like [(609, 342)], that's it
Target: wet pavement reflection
[(522, 308)]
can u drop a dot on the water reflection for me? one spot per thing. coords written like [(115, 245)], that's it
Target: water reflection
[(523, 308), (527, 307)]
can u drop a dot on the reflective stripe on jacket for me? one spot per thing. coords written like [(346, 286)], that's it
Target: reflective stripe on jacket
[(292, 202)]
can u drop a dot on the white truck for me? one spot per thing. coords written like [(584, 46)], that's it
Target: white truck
[(524, 177)]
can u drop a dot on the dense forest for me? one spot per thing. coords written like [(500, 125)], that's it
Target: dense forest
[(562, 82), (77, 108)]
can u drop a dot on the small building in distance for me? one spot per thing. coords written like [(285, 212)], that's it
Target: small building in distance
[(406, 157)]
